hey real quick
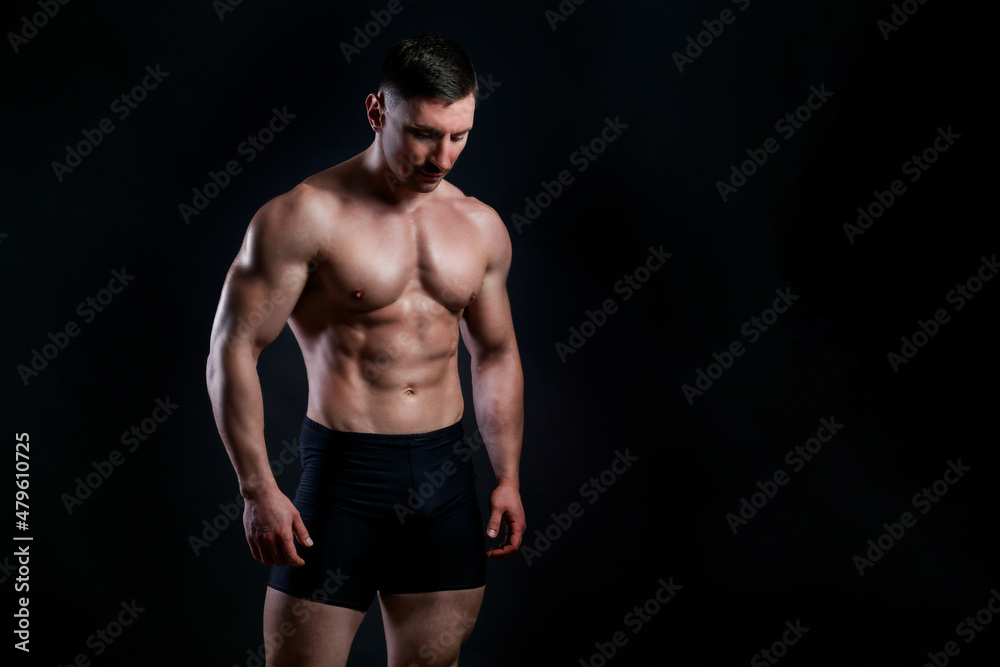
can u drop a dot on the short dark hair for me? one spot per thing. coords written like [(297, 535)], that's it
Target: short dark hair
[(428, 66)]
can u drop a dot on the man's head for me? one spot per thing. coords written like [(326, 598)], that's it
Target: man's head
[(427, 66), (424, 109)]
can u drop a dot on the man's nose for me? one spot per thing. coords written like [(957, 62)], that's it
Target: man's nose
[(443, 156)]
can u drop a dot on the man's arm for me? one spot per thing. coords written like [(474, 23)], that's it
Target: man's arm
[(498, 387), (259, 293)]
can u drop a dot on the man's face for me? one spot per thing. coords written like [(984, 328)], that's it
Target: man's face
[(423, 137)]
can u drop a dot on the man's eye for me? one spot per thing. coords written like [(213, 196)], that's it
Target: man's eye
[(459, 138)]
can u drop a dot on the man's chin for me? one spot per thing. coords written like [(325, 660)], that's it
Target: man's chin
[(423, 186)]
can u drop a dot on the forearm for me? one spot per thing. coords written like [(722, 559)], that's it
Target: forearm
[(498, 397), (234, 389)]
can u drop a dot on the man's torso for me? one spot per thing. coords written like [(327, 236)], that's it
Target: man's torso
[(378, 319)]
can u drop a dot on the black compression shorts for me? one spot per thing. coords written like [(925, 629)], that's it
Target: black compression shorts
[(389, 513)]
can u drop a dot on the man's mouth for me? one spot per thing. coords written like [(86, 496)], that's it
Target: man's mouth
[(430, 174)]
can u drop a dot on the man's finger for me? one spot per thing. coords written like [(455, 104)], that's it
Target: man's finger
[(493, 525), (270, 551), (501, 552), (288, 555), (515, 531), (254, 551), (262, 544), (300, 532)]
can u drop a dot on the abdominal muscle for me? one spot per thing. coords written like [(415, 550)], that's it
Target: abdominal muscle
[(393, 370)]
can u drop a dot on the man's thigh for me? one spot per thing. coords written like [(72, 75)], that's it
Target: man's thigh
[(423, 629), (303, 633)]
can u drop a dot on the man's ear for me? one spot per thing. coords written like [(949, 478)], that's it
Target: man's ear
[(375, 107)]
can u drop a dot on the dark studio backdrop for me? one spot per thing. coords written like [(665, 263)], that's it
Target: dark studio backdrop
[(757, 418)]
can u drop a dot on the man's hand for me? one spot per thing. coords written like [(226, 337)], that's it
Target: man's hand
[(505, 507), (270, 520)]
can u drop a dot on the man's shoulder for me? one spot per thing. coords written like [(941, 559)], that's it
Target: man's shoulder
[(480, 214), (294, 224), (492, 230), (306, 207)]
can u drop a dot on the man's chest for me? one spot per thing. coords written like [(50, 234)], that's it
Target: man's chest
[(374, 262)]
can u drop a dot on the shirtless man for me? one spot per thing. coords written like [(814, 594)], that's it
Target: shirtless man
[(378, 265)]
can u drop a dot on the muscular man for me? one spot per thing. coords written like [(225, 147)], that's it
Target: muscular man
[(378, 264)]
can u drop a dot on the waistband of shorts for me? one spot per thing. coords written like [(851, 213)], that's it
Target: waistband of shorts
[(446, 434)]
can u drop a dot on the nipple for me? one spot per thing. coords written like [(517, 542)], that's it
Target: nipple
[(472, 297), (358, 293)]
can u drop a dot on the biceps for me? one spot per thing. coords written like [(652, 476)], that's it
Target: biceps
[(487, 327), (255, 305)]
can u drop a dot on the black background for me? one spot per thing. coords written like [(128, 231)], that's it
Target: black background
[(552, 91)]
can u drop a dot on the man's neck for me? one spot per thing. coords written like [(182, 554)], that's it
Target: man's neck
[(382, 181)]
